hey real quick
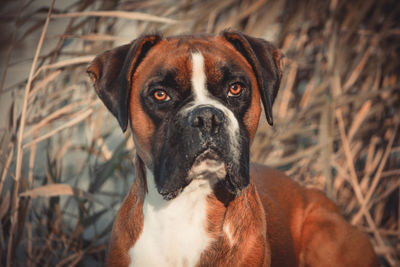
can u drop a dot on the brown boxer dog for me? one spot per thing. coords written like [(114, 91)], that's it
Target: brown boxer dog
[(193, 105)]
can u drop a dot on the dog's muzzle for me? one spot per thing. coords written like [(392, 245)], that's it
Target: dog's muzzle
[(207, 121), (198, 145)]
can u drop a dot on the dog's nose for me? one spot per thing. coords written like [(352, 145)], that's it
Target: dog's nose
[(207, 119)]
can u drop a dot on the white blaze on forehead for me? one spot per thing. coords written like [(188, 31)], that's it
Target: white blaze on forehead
[(199, 77)]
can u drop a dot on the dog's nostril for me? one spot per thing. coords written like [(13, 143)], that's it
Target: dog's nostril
[(197, 122), (218, 118)]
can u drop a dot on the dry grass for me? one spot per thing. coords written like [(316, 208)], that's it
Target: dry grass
[(65, 167)]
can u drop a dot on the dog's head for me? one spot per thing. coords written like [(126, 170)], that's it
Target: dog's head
[(193, 103)]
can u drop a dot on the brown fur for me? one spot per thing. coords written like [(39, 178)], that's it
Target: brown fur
[(280, 224), (129, 222), (275, 221), (245, 218), (311, 222), (160, 54)]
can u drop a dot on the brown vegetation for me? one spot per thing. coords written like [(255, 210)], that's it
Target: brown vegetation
[(65, 165)]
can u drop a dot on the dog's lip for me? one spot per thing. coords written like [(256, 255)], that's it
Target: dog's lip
[(208, 153), (207, 164)]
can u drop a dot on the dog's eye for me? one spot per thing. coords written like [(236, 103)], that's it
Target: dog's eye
[(161, 96), (235, 89)]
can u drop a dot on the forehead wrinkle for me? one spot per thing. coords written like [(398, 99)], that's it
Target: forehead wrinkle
[(163, 75)]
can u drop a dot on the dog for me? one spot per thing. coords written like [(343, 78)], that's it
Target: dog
[(193, 106)]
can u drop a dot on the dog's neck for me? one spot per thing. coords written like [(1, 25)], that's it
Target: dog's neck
[(196, 226), (174, 231)]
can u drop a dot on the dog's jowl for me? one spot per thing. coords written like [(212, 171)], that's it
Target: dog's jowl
[(193, 104)]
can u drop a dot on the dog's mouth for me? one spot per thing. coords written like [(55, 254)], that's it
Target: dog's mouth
[(212, 160), (211, 166), (208, 164)]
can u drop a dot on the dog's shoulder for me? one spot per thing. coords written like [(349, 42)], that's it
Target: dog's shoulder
[(305, 216), (285, 190), (275, 183)]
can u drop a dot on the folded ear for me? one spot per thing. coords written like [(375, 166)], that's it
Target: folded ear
[(267, 64), (112, 71)]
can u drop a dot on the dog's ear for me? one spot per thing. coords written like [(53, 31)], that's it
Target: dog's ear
[(112, 71), (266, 61)]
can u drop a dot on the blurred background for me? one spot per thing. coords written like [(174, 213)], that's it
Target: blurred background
[(65, 165)]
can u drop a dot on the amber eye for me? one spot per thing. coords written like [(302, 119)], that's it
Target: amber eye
[(161, 96), (235, 89)]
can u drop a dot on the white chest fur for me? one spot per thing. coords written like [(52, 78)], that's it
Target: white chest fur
[(174, 232)]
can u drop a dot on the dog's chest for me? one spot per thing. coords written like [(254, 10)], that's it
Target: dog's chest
[(174, 232)]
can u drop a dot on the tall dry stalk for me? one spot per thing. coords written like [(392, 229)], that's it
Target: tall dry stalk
[(20, 152)]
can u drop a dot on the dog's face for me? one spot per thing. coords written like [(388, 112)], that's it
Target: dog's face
[(193, 103)]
